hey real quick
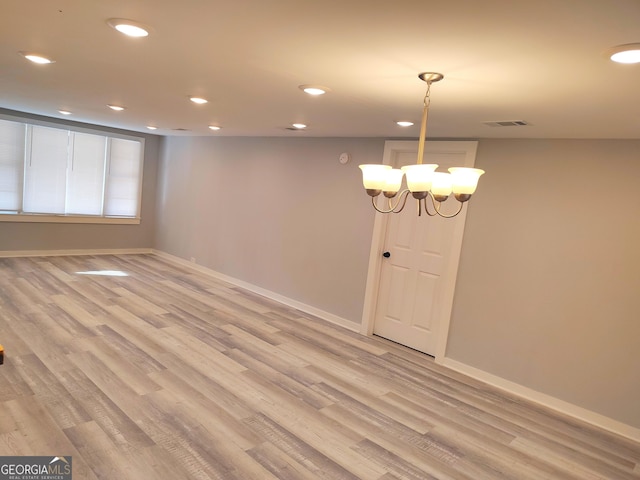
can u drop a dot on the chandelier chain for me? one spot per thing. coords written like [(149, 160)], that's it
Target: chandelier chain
[(427, 96)]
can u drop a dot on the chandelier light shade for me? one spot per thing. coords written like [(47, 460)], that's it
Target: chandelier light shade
[(392, 181), (441, 186), (374, 178), (423, 181), (464, 180), (419, 177)]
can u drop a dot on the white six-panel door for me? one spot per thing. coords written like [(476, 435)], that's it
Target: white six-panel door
[(410, 292)]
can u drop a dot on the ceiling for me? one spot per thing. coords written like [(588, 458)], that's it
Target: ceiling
[(539, 61)]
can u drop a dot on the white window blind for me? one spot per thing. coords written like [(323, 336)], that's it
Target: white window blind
[(45, 175), (54, 171), (123, 178), (85, 177), (11, 164)]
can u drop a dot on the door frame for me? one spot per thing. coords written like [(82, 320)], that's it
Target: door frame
[(468, 148)]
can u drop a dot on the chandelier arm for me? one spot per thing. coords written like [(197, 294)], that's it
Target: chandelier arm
[(437, 204), (402, 200), (426, 206)]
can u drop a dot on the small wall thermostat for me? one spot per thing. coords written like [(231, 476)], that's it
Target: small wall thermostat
[(344, 158)]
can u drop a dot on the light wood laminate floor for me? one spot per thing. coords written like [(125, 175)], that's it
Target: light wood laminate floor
[(169, 374)]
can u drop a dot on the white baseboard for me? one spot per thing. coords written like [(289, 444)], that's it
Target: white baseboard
[(303, 307), (548, 401), (61, 253)]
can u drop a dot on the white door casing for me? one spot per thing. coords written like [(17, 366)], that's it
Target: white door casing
[(409, 296)]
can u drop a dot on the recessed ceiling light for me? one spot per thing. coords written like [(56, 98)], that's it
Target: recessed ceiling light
[(64, 112), (36, 58), (151, 127), (629, 53), (403, 123), (214, 127), (128, 27), (314, 89), (299, 126), (198, 100), (117, 108)]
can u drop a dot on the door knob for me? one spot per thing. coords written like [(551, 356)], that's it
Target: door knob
[(386, 254)]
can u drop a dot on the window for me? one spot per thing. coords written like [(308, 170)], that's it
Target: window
[(54, 174)]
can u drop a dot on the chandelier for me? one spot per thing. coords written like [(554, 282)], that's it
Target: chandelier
[(422, 180)]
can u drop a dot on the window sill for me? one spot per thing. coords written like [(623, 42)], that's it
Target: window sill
[(36, 218)]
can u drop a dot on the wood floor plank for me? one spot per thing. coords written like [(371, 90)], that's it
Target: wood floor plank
[(31, 291), (10, 337), (286, 382), (112, 404), (106, 460), (26, 327), (218, 418), (146, 338), (324, 435), (329, 363), (137, 304), (122, 347), (319, 464), (14, 385), (204, 439), (416, 459), (479, 440), (14, 444), (185, 378), (416, 421), (64, 330), (328, 339), (61, 404), (570, 461), (160, 290), (74, 307), (281, 465), (197, 353), (38, 430), (346, 338), (209, 332), (123, 366), (400, 467), (18, 299), (163, 372), (243, 340)]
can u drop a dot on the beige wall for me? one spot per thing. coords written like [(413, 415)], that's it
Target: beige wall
[(282, 214), (548, 291), (66, 236)]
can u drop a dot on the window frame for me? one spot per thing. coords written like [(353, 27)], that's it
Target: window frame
[(22, 217)]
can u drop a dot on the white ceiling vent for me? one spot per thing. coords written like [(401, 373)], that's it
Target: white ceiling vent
[(507, 123)]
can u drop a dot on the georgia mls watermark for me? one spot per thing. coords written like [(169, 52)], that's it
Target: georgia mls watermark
[(35, 468)]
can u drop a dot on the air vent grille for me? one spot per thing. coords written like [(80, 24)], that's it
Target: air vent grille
[(507, 123)]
